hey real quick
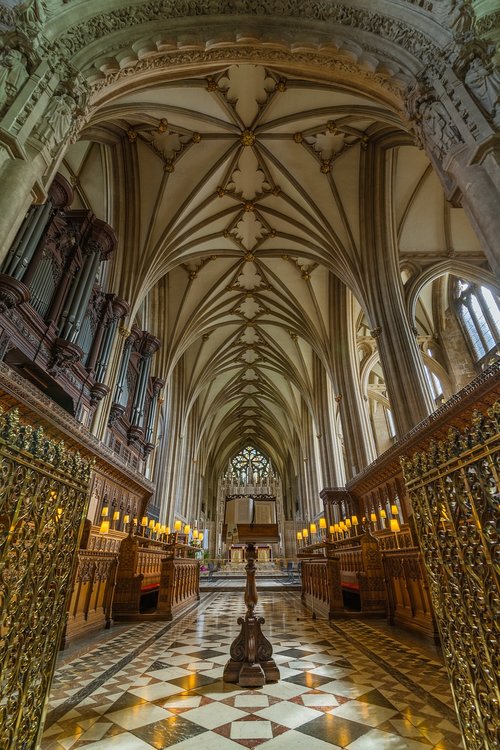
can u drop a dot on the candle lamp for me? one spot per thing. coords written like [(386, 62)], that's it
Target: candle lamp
[(355, 523), (177, 526), (394, 526), (200, 537), (105, 512), (104, 528), (299, 537), (331, 531), (394, 510)]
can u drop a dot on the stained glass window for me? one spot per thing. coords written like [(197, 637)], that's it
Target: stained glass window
[(249, 466)]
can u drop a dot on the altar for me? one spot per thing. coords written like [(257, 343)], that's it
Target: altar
[(237, 553)]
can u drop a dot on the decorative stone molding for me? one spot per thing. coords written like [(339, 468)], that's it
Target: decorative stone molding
[(234, 53), (81, 35)]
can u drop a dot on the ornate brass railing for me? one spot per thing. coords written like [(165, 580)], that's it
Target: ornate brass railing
[(454, 490), (43, 499)]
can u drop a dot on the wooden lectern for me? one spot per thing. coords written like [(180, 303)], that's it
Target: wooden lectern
[(251, 663)]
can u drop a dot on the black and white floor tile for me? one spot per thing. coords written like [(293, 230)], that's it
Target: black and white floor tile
[(345, 684)]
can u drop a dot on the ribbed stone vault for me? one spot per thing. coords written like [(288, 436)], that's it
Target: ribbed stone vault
[(237, 194)]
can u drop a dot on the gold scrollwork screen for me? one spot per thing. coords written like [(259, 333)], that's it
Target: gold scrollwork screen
[(43, 497), (454, 489)]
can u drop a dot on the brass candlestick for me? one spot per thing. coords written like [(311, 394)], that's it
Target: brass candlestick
[(251, 663)]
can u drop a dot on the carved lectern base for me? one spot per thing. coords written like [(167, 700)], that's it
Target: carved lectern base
[(251, 663)]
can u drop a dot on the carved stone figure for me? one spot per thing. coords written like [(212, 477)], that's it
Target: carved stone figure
[(483, 81), (57, 120), (438, 131), (13, 73), (462, 17), (32, 13)]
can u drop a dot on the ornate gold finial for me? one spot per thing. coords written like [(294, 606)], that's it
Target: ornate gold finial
[(196, 137), (211, 84), (249, 257), (163, 126), (326, 166), (168, 166), (247, 138), (249, 206), (132, 135), (332, 127), (221, 192), (273, 233), (193, 275), (284, 257), (298, 137), (281, 85), (306, 275)]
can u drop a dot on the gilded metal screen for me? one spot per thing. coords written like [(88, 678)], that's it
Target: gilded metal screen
[(43, 497), (454, 489)]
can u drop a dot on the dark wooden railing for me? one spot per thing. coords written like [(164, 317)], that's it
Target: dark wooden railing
[(92, 594)]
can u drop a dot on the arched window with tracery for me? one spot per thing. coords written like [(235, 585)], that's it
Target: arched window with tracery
[(250, 466), (478, 311)]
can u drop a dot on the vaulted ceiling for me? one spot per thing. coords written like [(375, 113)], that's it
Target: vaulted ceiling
[(235, 195)]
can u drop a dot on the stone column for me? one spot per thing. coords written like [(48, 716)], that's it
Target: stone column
[(479, 195), (17, 178), (356, 429), (327, 442), (407, 388), (455, 111)]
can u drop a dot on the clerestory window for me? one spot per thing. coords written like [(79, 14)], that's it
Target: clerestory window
[(478, 311)]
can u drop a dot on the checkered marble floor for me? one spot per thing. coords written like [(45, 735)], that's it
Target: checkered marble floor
[(343, 685)]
